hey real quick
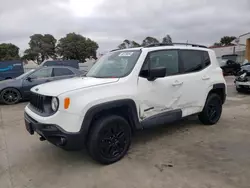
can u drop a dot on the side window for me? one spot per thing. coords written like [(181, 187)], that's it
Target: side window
[(192, 60), (62, 72), (207, 60), (42, 73), (166, 58)]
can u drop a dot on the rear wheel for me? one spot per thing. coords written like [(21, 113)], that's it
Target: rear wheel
[(109, 139), (10, 96), (212, 110)]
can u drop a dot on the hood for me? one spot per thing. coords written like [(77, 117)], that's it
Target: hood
[(10, 83), (56, 88)]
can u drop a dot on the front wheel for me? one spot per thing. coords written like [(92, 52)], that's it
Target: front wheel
[(109, 139), (212, 110), (10, 96)]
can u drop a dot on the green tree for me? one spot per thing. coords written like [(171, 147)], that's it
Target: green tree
[(217, 44), (78, 47), (41, 47), (149, 40), (128, 44), (167, 40), (9, 51), (226, 40)]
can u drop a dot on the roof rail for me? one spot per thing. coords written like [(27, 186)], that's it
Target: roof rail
[(158, 44), (172, 44), (193, 45)]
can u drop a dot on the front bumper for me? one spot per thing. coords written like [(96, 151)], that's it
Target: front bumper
[(242, 85), (54, 134)]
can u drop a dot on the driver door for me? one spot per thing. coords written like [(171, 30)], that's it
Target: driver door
[(159, 99), (38, 77)]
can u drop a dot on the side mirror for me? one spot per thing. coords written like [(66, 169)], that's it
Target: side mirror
[(29, 79), (155, 73)]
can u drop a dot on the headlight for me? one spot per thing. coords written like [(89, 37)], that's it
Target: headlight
[(54, 104)]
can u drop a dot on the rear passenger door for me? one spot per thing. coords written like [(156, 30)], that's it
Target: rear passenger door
[(62, 73), (194, 78)]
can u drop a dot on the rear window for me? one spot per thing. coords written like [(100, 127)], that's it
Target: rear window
[(62, 72), (194, 60)]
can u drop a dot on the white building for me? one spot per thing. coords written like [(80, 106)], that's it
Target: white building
[(239, 47)]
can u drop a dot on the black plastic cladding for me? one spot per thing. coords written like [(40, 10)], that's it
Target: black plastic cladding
[(109, 105)]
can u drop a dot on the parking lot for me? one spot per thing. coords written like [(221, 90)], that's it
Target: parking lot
[(182, 155)]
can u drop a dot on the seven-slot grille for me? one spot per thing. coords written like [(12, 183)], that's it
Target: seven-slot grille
[(37, 102)]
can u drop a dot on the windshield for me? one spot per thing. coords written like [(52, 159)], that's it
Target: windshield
[(24, 74), (115, 64)]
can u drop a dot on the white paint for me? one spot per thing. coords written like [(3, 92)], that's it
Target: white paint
[(187, 92), (66, 85)]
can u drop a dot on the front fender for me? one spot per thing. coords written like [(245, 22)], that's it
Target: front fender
[(91, 112)]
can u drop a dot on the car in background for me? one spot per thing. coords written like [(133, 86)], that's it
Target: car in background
[(229, 64), (10, 69), (14, 90), (68, 63), (242, 80)]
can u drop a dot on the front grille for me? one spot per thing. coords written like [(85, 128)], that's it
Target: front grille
[(37, 102)]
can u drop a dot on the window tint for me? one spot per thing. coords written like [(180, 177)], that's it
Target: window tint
[(167, 59), (42, 73), (192, 60), (62, 72), (207, 60)]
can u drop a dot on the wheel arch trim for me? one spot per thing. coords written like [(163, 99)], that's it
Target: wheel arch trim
[(128, 103)]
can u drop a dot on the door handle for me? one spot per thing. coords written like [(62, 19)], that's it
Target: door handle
[(177, 83), (205, 78)]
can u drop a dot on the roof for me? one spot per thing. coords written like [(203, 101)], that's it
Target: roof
[(56, 66)]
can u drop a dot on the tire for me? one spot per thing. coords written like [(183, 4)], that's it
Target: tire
[(10, 96), (212, 110), (240, 90), (109, 139)]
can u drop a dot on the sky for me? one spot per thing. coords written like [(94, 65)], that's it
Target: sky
[(109, 22)]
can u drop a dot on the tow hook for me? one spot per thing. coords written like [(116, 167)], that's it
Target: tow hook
[(62, 141)]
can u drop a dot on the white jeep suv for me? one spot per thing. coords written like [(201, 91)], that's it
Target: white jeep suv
[(127, 90)]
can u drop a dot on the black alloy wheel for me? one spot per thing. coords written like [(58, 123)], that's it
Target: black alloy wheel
[(212, 110), (10, 96), (113, 140), (109, 140)]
